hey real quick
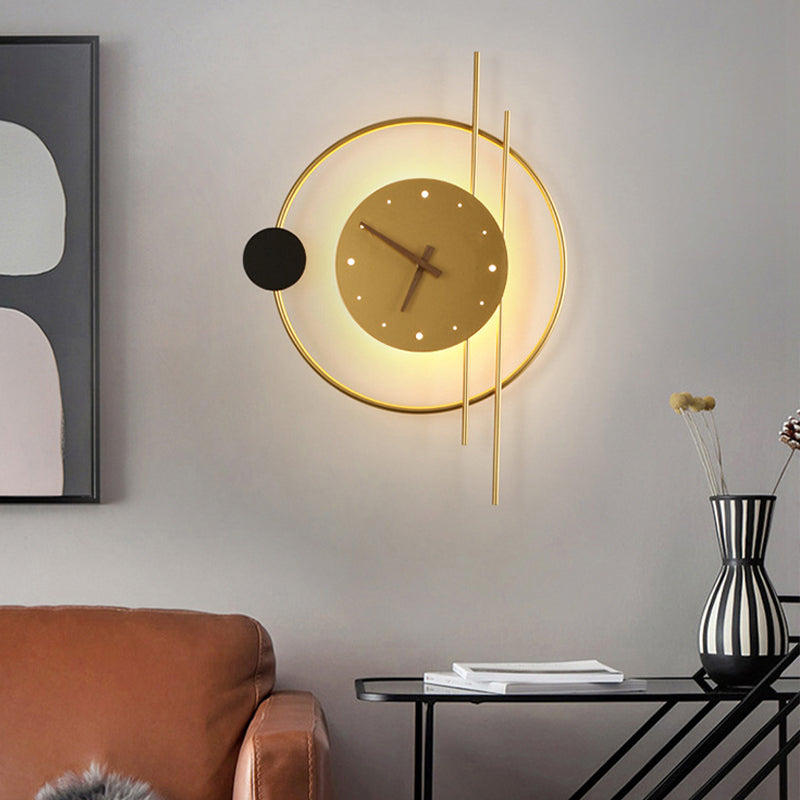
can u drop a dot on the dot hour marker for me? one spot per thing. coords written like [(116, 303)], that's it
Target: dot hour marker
[(492, 267), (484, 232), (358, 297), (351, 261), (480, 304), (424, 192), (388, 202), (418, 336)]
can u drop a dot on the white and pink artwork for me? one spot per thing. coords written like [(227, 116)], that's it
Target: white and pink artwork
[(48, 269)]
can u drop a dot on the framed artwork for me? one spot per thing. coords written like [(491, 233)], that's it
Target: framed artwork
[(48, 269)]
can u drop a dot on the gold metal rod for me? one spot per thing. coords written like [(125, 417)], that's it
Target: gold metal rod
[(504, 177), (465, 397), (498, 365), (473, 172), (476, 78), (498, 384)]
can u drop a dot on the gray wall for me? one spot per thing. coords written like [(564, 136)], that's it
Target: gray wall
[(235, 480)]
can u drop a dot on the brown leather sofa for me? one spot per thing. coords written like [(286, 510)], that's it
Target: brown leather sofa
[(182, 700)]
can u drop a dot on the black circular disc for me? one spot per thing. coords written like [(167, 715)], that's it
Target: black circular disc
[(274, 259)]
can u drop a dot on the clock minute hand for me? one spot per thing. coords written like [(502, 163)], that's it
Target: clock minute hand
[(421, 262), (417, 275)]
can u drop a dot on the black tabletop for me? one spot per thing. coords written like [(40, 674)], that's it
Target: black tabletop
[(660, 689)]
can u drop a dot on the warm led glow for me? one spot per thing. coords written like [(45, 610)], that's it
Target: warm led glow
[(394, 381), (425, 193), (492, 267), (352, 261), (418, 336)]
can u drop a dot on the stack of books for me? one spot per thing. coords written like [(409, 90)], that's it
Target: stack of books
[(556, 677)]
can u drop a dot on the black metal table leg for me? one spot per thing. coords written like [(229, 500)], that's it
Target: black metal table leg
[(747, 748), (666, 749), (428, 782), (783, 773), (417, 751), (778, 758), (423, 750), (624, 749)]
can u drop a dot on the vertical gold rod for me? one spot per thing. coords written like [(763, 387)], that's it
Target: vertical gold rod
[(473, 171), (498, 367), (504, 178), (465, 396), (476, 78)]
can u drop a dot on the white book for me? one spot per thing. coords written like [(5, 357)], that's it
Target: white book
[(539, 672), (456, 681), (452, 680)]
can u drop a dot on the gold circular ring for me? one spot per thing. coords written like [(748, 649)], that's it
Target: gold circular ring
[(562, 279)]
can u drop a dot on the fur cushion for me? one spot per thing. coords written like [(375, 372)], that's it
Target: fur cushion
[(94, 784)]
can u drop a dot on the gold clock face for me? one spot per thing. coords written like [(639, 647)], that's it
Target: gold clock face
[(421, 264)]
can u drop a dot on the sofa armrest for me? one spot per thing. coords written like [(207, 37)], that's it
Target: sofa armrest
[(286, 751)]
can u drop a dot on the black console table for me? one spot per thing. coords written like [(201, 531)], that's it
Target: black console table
[(736, 705)]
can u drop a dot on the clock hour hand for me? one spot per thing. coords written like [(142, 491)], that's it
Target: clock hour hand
[(421, 262), (417, 275)]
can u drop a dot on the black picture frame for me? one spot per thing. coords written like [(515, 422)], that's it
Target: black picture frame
[(49, 85)]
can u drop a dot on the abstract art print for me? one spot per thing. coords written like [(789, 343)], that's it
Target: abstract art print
[(48, 269)]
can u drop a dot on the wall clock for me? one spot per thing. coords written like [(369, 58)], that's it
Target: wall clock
[(417, 266), (429, 268)]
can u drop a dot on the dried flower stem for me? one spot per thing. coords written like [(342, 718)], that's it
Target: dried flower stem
[(780, 477), (717, 448), (702, 452)]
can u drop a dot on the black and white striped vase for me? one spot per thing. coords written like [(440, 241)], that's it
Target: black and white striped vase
[(743, 630)]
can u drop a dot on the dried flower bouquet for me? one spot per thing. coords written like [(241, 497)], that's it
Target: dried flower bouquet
[(705, 437)]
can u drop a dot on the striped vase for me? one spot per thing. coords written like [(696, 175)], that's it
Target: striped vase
[(742, 629)]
